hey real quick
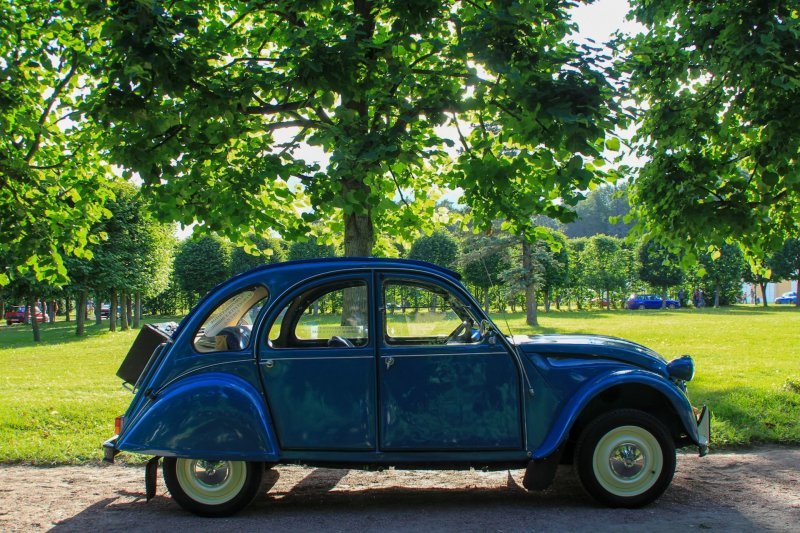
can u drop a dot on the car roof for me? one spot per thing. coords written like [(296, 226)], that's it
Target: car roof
[(355, 262)]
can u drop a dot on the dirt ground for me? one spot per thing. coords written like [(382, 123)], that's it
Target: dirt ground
[(745, 491)]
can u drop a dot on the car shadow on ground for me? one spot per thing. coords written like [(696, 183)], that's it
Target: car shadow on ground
[(323, 500)]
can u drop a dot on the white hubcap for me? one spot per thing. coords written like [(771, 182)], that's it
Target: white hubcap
[(627, 461)]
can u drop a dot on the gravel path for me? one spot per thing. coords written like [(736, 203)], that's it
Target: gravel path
[(754, 490)]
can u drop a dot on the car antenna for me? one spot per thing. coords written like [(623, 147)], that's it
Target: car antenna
[(510, 337), (492, 287)]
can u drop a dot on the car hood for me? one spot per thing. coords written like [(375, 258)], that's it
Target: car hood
[(594, 346)]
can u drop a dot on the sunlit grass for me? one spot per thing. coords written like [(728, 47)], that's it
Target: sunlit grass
[(58, 399), (747, 360)]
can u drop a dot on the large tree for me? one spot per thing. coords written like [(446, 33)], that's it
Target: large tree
[(52, 180), (439, 248), (211, 101), (606, 266), (659, 268), (717, 86), (723, 273), (201, 263), (135, 256)]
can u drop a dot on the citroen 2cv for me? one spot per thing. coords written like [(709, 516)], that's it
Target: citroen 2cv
[(372, 363)]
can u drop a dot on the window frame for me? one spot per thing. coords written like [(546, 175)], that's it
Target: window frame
[(299, 300)]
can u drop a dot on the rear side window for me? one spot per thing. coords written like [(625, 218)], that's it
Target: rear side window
[(228, 327), (331, 316)]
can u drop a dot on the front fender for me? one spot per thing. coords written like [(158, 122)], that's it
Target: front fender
[(580, 399), (209, 416)]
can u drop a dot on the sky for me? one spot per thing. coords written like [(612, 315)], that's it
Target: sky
[(599, 20)]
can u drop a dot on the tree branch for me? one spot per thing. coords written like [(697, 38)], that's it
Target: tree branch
[(49, 106), (299, 123), (166, 136), (271, 109), (461, 137), (397, 186)]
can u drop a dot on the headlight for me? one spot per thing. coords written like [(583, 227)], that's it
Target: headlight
[(681, 368)]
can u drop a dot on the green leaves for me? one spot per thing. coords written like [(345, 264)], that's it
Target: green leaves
[(717, 130)]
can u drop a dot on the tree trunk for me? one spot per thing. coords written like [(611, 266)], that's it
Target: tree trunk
[(487, 300), (80, 313), (137, 310), (763, 294), (98, 304), (530, 288), (37, 334), (359, 232), (547, 296), (112, 312), (716, 296), (359, 235), (123, 301), (67, 308), (797, 290)]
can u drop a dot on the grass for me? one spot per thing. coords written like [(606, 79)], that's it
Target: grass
[(58, 399), (747, 361)]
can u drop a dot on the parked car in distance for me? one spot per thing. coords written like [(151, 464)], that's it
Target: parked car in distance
[(649, 301), (302, 363), (787, 298), (18, 314)]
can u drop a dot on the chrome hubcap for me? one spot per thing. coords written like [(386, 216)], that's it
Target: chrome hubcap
[(626, 460), (211, 482), (211, 473)]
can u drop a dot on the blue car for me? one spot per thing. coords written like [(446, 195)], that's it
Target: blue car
[(649, 301), (306, 362), (787, 298)]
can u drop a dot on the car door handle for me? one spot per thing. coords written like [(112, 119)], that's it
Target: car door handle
[(269, 363), (388, 361)]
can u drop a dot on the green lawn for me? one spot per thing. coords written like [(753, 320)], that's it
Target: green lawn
[(58, 399)]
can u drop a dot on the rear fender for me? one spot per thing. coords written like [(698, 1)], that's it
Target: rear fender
[(561, 427), (208, 416)]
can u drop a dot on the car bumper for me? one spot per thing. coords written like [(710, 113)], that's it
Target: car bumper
[(704, 431), (110, 449)]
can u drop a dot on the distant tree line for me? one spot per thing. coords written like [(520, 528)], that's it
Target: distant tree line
[(138, 265)]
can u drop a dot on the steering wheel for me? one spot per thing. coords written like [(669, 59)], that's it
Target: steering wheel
[(460, 332), (337, 341)]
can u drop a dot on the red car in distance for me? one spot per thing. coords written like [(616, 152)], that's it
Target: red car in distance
[(18, 314)]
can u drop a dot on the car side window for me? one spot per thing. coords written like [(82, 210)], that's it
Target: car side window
[(229, 325), (416, 313), (330, 316)]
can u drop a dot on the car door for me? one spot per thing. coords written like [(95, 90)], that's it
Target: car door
[(442, 387), (317, 363)]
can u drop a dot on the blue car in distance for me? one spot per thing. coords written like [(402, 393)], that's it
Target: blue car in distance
[(787, 298), (306, 362), (649, 301)]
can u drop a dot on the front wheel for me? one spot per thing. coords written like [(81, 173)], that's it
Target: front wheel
[(625, 458), (212, 488)]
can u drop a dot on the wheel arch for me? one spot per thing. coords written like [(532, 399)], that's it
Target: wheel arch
[(208, 416), (630, 389)]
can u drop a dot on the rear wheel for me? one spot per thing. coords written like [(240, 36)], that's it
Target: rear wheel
[(641, 306), (212, 488), (625, 458)]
